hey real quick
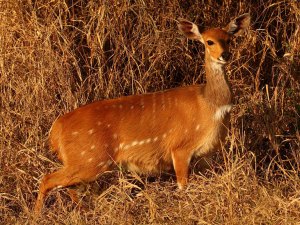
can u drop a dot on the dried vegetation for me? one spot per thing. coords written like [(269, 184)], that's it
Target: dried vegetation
[(58, 55)]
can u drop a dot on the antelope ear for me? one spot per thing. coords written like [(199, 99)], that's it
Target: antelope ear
[(238, 25), (189, 29)]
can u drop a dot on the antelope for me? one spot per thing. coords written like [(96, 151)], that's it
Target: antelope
[(152, 132)]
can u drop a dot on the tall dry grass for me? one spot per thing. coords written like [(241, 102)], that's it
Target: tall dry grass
[(58, 55)]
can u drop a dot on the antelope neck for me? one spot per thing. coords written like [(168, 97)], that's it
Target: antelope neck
[(217, 89)]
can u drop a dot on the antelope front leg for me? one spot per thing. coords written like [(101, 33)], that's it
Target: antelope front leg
[(181, 161)]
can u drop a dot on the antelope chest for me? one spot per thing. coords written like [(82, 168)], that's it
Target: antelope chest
[(215, 133)]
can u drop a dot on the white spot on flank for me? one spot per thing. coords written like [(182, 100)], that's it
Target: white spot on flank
[(115, 136), (153, 104), (116, 149), (142, 103), (155, 139), (126, 147), (99, 123), (91, 131), (108, 125), (100, 164), (164, 135), (121, 145), (141, 142), (169, 102), (148, 140), (221, 112), (59, 186), (82, 153), (75, 133), (109, 162), (131, 107), (176, 101), (93, 146), (185, 131), (198, 127), (134, 143), (90, 159)]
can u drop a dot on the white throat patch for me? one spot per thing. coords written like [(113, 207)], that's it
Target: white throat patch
[(216, 66), (221, 112)]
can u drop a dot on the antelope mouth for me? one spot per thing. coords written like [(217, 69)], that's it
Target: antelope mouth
[(219, 60), (222, 60)]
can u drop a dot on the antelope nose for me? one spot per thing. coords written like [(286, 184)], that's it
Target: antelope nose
[(226, 56)]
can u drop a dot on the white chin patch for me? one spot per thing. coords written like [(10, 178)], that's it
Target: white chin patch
[(220, 60)]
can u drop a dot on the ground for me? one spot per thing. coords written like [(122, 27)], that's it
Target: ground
[(58, 55)]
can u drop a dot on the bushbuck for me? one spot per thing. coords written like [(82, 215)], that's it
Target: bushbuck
[(148, 133)]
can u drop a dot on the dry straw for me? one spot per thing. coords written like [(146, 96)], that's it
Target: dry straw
[(58, 55)]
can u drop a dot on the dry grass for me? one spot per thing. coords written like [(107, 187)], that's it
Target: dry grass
[(58, 55)]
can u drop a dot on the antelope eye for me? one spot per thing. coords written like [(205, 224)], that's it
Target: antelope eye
[(209, 42)]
